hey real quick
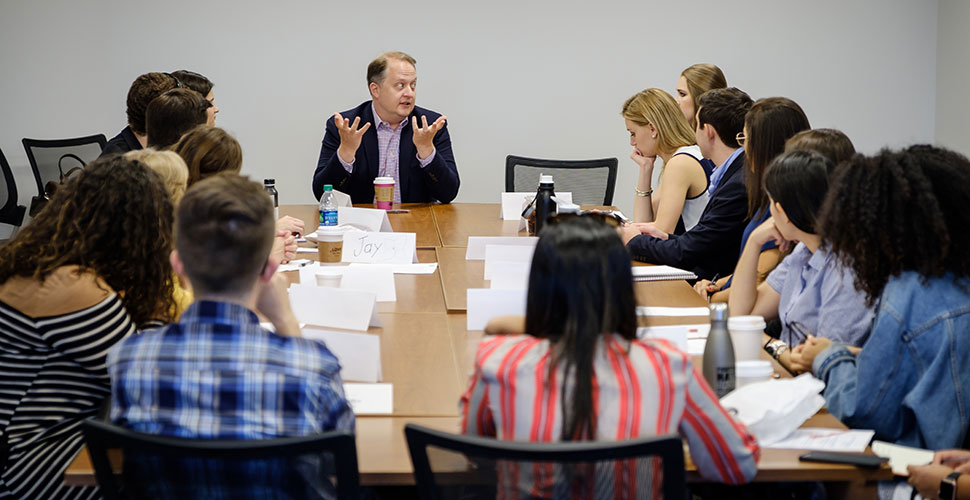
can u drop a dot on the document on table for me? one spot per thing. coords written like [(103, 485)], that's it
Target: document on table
[(672, 311), (901, 456), (370, 399), (825, 439)]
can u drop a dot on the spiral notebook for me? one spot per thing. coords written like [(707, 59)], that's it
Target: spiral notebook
[(661, 273)]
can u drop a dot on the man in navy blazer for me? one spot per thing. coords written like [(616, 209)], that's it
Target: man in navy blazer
[(711, 247), (389, 136)]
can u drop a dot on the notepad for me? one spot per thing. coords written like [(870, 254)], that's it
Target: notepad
[(661, 273)]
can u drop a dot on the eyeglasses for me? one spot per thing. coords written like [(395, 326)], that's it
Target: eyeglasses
[(740, 138), (800, 333)]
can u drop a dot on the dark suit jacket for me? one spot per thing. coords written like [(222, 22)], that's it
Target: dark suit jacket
[(711, 247), (121, 143), (437, 181)]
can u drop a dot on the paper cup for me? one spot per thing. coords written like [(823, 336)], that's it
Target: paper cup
[(384, 192), (330, 244), (329, 276), (750, 372), (746, 335)]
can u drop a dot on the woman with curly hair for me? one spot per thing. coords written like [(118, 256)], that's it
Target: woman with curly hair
[(89, 268), (899, 221)]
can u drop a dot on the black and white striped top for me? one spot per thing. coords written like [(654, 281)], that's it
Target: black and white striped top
[(52, 376)]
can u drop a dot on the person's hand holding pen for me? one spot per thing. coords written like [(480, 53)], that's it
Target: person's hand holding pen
[(705, 288)]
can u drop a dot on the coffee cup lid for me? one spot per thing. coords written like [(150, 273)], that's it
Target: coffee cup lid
[(746, 322), (330, 230), (384, 180)]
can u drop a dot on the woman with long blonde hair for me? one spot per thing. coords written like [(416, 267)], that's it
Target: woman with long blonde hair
[(658, 129)]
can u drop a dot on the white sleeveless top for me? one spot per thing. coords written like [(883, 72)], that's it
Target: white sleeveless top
[(693, 207)]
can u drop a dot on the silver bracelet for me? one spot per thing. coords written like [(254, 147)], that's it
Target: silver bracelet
[(643, 193)]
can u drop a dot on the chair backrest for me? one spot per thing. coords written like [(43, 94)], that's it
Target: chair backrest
[(590, 181), (10, 212), (161, 467), (48, 161), (456, 466)]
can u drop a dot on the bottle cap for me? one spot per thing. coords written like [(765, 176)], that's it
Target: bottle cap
[(267, 182), (545, 179), (719, 312), (328, 187)]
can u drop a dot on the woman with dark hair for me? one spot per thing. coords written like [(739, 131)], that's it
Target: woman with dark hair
[(91, 266), (810, 291), (203, 86), (768, 124), (581, 363), (899, 221)]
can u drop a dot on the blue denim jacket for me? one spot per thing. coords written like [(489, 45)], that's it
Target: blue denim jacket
[(911, 382)]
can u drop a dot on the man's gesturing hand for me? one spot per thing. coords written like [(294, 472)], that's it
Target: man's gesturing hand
[(424, 137), (350, 137)]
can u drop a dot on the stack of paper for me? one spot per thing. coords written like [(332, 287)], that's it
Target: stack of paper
[(901, 456)]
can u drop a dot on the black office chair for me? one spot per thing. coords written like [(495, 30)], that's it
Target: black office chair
[(590, 181), (10, 211), (161, 467), (469, 467), (53, 160)]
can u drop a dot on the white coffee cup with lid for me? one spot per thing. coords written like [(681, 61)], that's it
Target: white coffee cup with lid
[(747, 336)]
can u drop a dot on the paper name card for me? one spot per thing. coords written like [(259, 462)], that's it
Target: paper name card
[(334, 307), (376, 278), (688, 338), (365, 219), (672, 311), (486, 303), (901, 456), (359, 354), (510, 275), (513, 203), (380, 248), (477, 244), (497, 256), (370, 399)]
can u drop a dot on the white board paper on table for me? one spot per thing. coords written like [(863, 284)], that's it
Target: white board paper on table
[(370, 399), (497, 256), (334, 307), (477, 244), (376, 278), (365, 219), (359, 354), (484, 304), (380, 248), (513, 203)]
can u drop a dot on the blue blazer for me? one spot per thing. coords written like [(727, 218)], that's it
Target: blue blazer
[(710, 247), (437, 181)]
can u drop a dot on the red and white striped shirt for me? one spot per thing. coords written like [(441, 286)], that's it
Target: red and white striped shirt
[(640, 388)]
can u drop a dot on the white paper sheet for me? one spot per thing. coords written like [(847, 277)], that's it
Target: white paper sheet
[(417, 268), (380, 248), (334, 307), (825, 439), (308, 273), (370, 399), (512, 203), (672, 311), (295, 265), (485, 303), (306, 250), (376, 278), (359, 353), (499, 256), (476, 244), (366, 219), (901, 456)]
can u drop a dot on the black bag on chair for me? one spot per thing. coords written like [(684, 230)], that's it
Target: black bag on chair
[(37, 203)]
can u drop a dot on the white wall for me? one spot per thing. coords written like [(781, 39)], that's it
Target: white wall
[(953, 76), (532, 78)]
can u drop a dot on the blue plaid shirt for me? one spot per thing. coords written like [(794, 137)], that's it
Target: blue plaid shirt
[(216, 374)]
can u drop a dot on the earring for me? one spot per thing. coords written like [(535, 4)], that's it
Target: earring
[(654, 136)]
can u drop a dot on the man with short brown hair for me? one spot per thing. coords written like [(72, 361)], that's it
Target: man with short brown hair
[(389, 136), (143, 90)]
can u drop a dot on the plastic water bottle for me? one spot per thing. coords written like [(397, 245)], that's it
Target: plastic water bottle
[(719, 353), (270, 186), (545, 205), (328, 209)]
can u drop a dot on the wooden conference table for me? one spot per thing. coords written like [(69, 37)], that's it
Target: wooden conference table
[(427, 352)]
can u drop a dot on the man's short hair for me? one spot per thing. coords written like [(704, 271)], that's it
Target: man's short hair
[(143, 90), (172, 114), (724, 109), (377, 69), (224, 232)]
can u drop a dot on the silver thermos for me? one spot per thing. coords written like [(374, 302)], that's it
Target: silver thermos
[(719, 353)]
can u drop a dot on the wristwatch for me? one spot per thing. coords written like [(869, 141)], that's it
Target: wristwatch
[(948, 486), (776, 347)]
